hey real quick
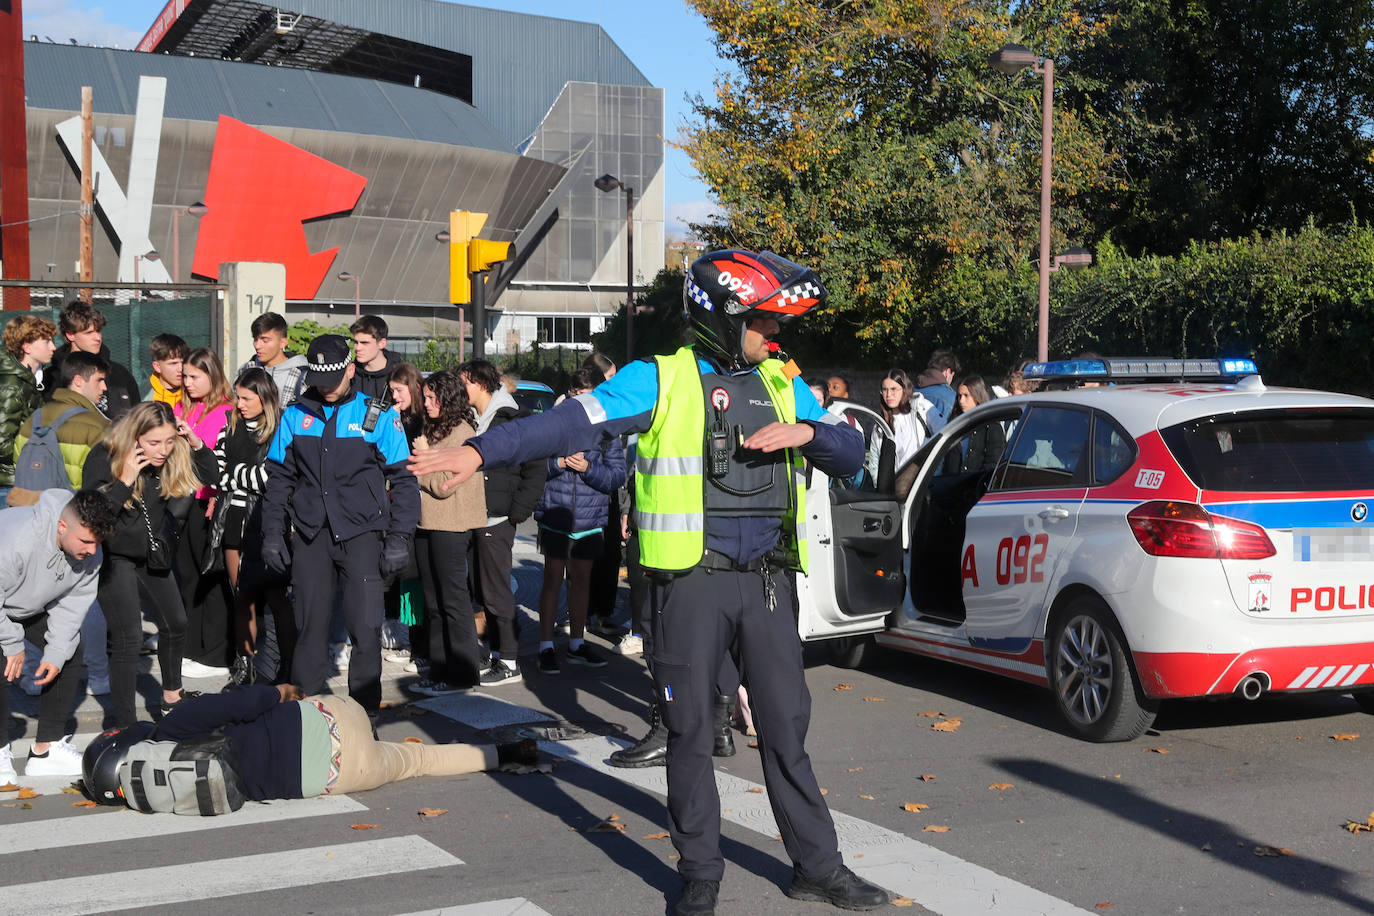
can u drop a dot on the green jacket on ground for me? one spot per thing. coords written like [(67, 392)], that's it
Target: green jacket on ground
[(19, 398), (81, 433)]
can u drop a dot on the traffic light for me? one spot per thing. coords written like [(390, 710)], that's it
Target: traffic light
[(462, 226), (483, 253)]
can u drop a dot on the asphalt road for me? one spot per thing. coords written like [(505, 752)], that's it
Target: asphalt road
[(1226, 807)]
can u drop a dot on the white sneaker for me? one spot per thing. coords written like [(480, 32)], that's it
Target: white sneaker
[(7, 775), (98, 686), (62, 759), (397, 656), (192, 668), (630, 644), (395, 635), (338, 655)]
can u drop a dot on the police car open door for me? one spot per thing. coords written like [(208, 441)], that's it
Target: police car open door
[(854, 532)]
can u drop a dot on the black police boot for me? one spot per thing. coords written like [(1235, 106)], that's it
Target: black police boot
[(698, 898), (649, 751), (725, 740), (841, 888)]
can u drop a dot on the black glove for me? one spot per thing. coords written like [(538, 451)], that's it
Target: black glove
[(274, 554), (395, 555)]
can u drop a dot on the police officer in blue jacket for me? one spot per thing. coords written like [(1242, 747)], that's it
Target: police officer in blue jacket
[(722, 434), (335, 456)]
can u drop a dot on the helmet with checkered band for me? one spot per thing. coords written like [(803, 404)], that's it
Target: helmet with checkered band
[(725, 290)]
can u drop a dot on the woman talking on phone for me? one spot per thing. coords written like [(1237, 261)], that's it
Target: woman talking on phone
[(148, 465)]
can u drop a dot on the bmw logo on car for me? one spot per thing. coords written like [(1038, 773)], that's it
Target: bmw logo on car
[(1359, 511)]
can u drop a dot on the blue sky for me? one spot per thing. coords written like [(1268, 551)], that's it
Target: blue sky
[(668, 42)]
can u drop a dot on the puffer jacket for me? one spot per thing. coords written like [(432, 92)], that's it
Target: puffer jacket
[(19, 398), (581, 501), (75, 438)]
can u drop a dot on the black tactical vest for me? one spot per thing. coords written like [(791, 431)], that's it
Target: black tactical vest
[(739, 481)]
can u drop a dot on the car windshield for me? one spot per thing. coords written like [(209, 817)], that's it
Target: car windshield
[(1284, 451), (535, 401)]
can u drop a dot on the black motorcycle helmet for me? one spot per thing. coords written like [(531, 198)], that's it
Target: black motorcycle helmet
[(103, 757), (724, 290)]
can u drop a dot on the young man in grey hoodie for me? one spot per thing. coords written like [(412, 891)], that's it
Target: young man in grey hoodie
[(49, 569), (269, 343)]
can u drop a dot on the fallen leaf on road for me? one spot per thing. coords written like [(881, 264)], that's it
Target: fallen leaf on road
[(753, 744), (869, 797), (902, 901), (26, 792), (612, 824), (85, 804), (855, 769), (1348, 736), (825, 791), (948, 725), (935, 828), (412, 712), (1001, 786), (1357, 827), (9, 787), (1273, 851), (927, 777), (427, 813), (364, 826), (932, 714), (873, 700), (413, 740), (656, 836), (70, 790), (915, 806), (1155, 750), (756, 790), (1104, 906), (28, 807), (844, 686)]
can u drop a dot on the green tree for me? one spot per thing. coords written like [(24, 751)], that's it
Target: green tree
[(659, 328), (299, 334)]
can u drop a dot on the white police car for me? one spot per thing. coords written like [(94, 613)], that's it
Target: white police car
[(1197, 534)]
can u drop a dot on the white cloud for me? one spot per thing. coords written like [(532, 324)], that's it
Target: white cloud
[(62, 20), (683, 212)]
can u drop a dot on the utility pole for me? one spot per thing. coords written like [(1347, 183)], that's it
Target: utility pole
[(87, 196)]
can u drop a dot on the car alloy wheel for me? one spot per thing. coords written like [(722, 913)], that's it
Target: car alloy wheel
[(1094, 684)]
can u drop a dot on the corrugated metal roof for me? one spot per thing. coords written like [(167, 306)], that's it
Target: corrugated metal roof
[(520, 62), (202, 90)]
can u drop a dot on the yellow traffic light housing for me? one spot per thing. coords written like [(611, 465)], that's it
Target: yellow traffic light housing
[(483, 253)]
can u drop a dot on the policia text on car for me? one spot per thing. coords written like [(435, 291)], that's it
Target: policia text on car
[(723, 432)]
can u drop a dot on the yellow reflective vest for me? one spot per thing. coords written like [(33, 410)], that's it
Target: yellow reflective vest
[(670, 482)]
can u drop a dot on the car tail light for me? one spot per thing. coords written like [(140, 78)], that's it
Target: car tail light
[(1165, 528)]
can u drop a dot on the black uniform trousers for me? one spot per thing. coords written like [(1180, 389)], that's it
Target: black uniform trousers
[(57, 702), (443, 560), (696, 619), (319, 567)]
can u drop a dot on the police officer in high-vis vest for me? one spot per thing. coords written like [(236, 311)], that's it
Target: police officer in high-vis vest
[(723, 434)]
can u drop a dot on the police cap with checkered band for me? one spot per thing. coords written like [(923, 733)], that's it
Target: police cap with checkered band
[(725, 290), (326, 361)]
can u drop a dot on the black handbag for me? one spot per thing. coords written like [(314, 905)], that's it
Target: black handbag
[(159, 551)]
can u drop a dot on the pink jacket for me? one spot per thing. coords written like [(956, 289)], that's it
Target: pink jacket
[(207, 424)]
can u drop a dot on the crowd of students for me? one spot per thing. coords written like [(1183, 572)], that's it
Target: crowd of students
[(283, 490)]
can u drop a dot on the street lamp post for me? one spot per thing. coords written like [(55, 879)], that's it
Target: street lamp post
[(151, 255), (610, 183), (196, 209), (1012, 59), (357, 292)]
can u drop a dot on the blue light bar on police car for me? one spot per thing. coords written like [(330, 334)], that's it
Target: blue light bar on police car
[(1141, 368)]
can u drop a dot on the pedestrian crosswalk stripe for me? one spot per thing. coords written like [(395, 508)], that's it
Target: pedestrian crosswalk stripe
[(481, 711), (149, 887), (124, 824), (515, 906), (889, 859)]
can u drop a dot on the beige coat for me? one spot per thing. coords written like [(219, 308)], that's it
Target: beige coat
[(463, 508)]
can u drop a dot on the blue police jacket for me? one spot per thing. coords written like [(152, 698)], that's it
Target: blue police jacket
[(624, 404), (328, 472)]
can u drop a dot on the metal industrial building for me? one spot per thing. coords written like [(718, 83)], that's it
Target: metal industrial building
[(436, 106)]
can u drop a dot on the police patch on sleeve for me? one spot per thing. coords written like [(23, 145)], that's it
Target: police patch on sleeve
[(396, 421)]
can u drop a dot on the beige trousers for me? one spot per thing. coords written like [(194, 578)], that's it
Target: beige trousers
[(366, 763)]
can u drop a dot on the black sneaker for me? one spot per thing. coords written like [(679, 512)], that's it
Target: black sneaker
[(586, 655), (841, 888), (698, 898), (548, 662), (185, 695), (499, 673)]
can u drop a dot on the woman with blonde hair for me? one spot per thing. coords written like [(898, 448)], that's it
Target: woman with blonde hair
[(148, 466), (205, 405)]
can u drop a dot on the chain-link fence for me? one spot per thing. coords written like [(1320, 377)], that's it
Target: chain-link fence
[(133, 316)]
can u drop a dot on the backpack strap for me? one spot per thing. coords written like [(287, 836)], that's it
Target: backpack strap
[(136, 780), (61, 418), (204, 799)]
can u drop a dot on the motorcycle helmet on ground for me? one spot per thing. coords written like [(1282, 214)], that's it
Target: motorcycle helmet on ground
[(725, 290), (102, 759)]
